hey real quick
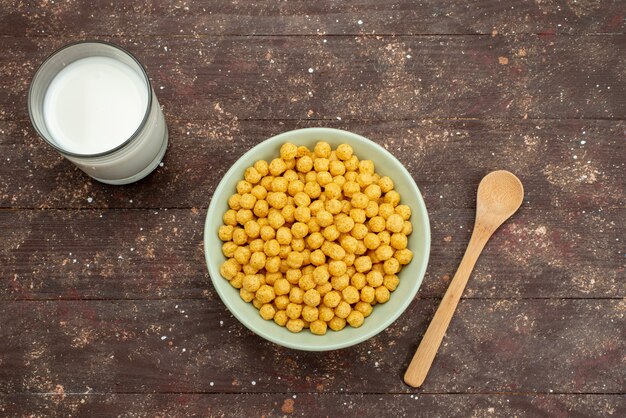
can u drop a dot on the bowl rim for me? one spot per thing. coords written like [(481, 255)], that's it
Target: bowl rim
[(214, 273)]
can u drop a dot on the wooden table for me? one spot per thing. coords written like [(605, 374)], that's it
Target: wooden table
[(107, 307)]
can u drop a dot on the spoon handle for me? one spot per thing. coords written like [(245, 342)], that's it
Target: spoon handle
[(425, 354)]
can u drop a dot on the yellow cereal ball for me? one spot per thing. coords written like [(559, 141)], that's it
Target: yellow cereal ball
[(332, 299), (404, 256), (349, 260), (272, 264), (280, 317), (330, 233), (385, 184), (266, 183), (343, 309), (281, 302), (355, 319), (321, 274), (391, 266), (310, 313), (297, 244), (344, 152), (280, 184), (271, 277), (312, 297), (277, 167), (321, 164), (363, 264), (252, 229), (372, 209), (332, 191), (391, 282), (351, 294), (302, 199), (275, 219), (288, 151), (295, 295), (244, 215), (384, 252), (302, 151), (359, 200), (407, 228), (325, 313), (339, 181), (242, 255), (372, 192), (271, 248), (374, 278), (359, 231), (346, 207), (306, 282), (252, 175), (337, 168), (324, 218), (364, 308), (358, 281), (404, 211), (366, 166), (295, 325), (313, 226), (262, 167), (317, 258), (237, 281), (256, 303), (282, 287), (302, 214), (350, 188), (368, 294), (376, 224), (295, 187), (243, 187), (265, 294), (324, 178), (261, 208), (251, 282), (229, 248), (382, 294), (392, 197), (337, 324), (357, 215), (259, 192), (337, 267), (386, 210), (295, 259), (310, 177), (313, 190), (322, 289), (364, 180), (371, 241), (234, 202), (348, 243), (247, 201), (294, 310), (322, 149), (352, 164), (246, 295), (318, 327), (395, 223), (291, 176), (304, 164), (333, 206), (230, 217), (315, 240), (229, 269), (333, 250), (316, 206), (257, 260), (340, 282), (225, 233), (345, 224), (267, 312), (284, 235), (299, 230)]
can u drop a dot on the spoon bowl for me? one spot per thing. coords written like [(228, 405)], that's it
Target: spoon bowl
[(500, 194)]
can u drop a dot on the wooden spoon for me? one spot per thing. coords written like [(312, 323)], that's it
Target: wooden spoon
[(500, 194)]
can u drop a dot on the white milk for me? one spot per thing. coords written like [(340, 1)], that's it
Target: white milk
[(94, 104)]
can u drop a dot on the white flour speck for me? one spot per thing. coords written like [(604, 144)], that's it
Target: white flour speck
[(311, 70), (164, 337), (360, 22), (90, 199)]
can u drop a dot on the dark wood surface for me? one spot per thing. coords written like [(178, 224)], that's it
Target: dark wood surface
[(106, 307)]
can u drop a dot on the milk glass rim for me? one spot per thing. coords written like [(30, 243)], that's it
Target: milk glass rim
[(120, 146)]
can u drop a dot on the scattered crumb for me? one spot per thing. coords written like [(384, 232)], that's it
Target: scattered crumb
[(503, 60), (287, 407)]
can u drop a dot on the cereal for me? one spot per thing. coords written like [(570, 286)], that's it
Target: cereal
[(315, 238)]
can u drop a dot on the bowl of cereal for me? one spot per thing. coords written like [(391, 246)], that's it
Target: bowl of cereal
[(317, 239)]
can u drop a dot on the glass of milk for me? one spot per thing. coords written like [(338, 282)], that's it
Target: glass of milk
[(93, 102)]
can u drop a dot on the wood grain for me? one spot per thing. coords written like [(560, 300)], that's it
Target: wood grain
[(493, 346), (325, 405), (157, 254), (572, 164), (378, 77), (222, 17)]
